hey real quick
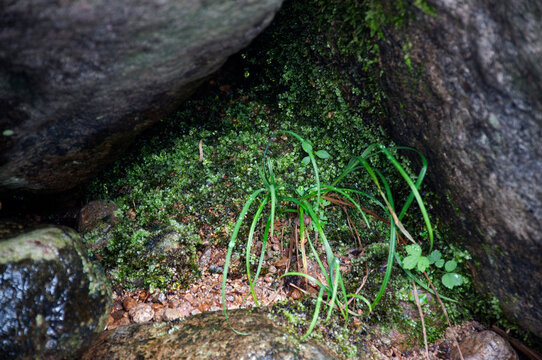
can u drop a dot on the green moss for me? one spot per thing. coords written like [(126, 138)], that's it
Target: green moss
[(40, 244)]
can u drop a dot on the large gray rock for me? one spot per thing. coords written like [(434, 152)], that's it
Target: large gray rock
[(204, 337), (472, 102), (79, 80), (52, 299)]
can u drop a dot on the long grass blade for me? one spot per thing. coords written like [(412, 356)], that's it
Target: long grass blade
[(315, 315), (255, 220), (415, 191), (389, 264), (231, 245)]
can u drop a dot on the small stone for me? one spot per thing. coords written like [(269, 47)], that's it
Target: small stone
[(117, 305), (296, 294), (173, 303), (214, 269), (142, 313), (203, 307), (129, 303), (117, 314), (172, 314), (142, 296), (122, 322), (109, 323), (161, 298), (485, 345), (189, 297), (195, 312), (157, 306), (159, 314), (97, 214), (272, 269), (205, 258)]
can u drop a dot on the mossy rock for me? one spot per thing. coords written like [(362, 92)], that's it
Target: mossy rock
[(52, 299), (205, 336)]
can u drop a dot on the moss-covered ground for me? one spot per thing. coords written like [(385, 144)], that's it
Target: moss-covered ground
[(314, 71)]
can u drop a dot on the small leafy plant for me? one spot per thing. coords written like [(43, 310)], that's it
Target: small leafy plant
[(275, 198), (415, 260)]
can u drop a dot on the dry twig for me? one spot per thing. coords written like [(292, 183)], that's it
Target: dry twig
[(422, 319)]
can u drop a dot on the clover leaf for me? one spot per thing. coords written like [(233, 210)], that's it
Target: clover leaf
[(450, 265), (415, 258), (451, 279)]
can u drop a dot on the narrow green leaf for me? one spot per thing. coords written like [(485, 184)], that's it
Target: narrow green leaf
[(255, 220), (315, 315), (389, 265), (231, 245), (414, 190), (362, 298), (334, 285)]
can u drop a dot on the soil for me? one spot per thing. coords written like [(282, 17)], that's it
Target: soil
[(205, 295)]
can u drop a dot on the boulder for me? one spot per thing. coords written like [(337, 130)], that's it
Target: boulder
[(52, 300), (204, 337), (79, 80), (485, 345), (465, 88)]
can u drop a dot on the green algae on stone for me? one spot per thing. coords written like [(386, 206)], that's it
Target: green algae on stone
[(205, 337), (52, 299), (40, 244)]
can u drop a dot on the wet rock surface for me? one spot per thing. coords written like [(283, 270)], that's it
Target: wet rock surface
[(471, 101), (485, 345), (79, 80), (52, 299), (205, 336)]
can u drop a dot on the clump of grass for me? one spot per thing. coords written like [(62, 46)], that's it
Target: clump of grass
[(275, 198)]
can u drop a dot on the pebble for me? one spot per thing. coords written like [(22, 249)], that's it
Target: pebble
[(172, 314), (159, 314), (213, 269), (117, 314), (142, 313), (161, 298), (122, 322), (173, 303), (485, 345), (205, 258), (296, 294), (189, 297), (129, 303)]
